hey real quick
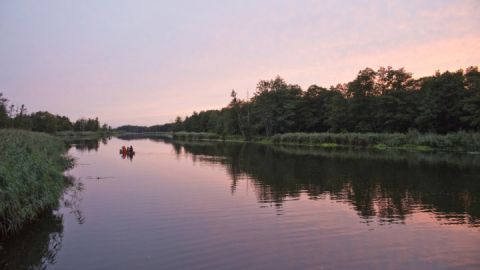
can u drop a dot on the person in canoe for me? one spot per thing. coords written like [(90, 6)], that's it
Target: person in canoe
[(127, 152)]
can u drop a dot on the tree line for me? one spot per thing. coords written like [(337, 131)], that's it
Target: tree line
[(383, 100), (17, 117)]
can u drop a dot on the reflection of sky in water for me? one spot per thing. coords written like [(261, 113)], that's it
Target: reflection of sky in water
[(162, 210)]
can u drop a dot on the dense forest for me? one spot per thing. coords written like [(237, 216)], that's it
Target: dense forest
[(383, 100), (17, 117)]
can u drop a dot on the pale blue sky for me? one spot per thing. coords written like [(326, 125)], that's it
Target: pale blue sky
[(144, 62)]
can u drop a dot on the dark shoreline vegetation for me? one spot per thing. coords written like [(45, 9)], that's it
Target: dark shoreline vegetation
[(467, 142), (84, 135), (33, 159), (17, 117), (31, 177), (382, 108), (410, 155), (460, 141)]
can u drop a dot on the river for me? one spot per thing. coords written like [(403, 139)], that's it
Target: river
[(212, 205)]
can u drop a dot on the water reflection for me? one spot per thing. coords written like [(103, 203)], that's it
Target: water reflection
[(386, 190), (37, 245), (172, 220), (72, 199), (127, 153), (86, 145)]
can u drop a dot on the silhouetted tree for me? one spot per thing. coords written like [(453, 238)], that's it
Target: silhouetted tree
[(4, 120), (441, 105), (12, 116), (471, 104)]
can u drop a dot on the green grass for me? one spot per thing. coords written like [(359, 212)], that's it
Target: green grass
[(195, 136), (380, 146), (328, 145), (418, 148), (31, 177), (412, 141), (76, 135), (460, 141)]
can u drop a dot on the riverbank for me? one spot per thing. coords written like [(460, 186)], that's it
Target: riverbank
[(197, 136), (84, 135), (459, 141), (31, 177), (412, 141)]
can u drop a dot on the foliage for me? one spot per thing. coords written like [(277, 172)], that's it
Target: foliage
[(464, 141), (385, 100), (195, 136), (12, 116), (83, 124), (31, 178), (4, 121)]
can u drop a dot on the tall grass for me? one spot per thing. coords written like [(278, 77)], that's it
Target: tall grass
[(31, 176), (195, 136), (75, 135), (462, 141), (206, 136), (413, 140)]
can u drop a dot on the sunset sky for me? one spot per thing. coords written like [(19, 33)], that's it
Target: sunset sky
[(145, 62)]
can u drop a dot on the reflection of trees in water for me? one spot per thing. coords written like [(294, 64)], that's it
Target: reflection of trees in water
[(105, 139), (37, 245), (88, 144), (386, 188), (72, 199), (85, 145)]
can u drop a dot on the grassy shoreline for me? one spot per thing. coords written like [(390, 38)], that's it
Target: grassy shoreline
[(467, 142), (31, 177), (84, 135)]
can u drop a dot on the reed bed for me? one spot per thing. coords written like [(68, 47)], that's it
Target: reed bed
[(413, 140), (195, 136), (31, 177), (461, 141)]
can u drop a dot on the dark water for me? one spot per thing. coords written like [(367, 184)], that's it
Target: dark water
[(245, 206)]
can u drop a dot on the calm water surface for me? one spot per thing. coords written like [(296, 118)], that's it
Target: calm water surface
[(244, 206)]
